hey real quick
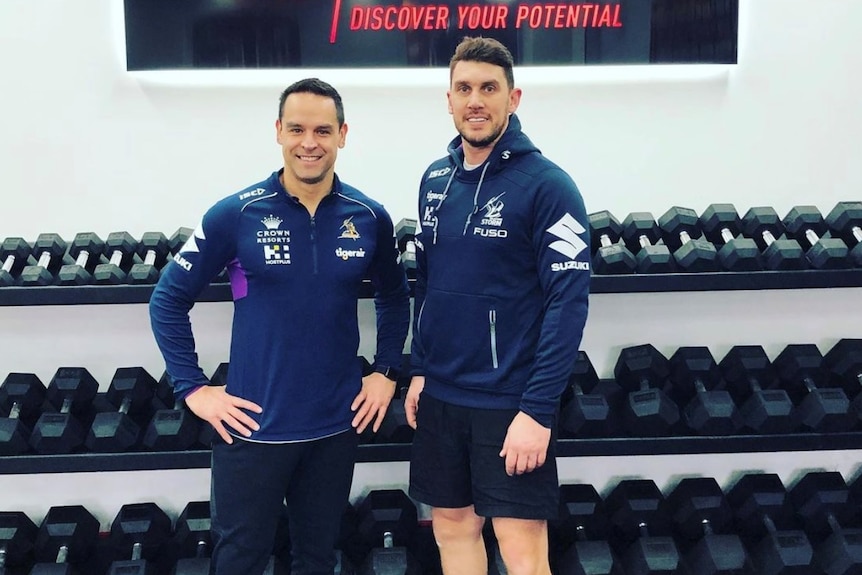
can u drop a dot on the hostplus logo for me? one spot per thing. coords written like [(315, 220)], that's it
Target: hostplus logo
[(568, 230)]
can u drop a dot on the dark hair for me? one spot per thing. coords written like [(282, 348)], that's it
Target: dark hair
[(487, 50), (314, 86)]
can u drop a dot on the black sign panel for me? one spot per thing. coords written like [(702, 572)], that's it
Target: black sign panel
[(172, 34)]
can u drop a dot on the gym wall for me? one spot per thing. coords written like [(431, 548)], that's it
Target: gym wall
[(86, 146)]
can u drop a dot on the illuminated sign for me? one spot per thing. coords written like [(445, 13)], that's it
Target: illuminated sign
[(168, 34)]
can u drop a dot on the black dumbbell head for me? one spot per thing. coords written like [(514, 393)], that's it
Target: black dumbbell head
[(690, 365), (603, 223), (755, 496), (143, 523), (88, 242), (676, 221), (132, 384), (636, 502), (179, 238), (17, 536), (641, 363), (744, 365), (69, 526), (696, 501), (25, 390), (50, 243), (192, 529), (405, 232), (387, 510), (718, 217), (844, 364), (801, 219), (637, 225), (582, 516), (75, 383), (17, 248), (796, 362), (816, 497), (845, 221)]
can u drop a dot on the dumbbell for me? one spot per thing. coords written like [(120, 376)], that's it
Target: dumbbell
[(641, 235), (753, 383), (763, 225), (173, 428), (578, 537), (765, 522), (610, 257), (178, 239), (192, 541), (405, 236), (721, 226), (387, 522), (14, 253), (86, 249), (822, 500), (153, 249), (139, 532), (17, 537), (70, 392), (66, 541), (844, 364), (48, 250), (680, 232), (588, 406), (822, 410), (120, 249), (805, 224), (641, 528), (643, 372), (845, 222), (130, 393), (21, 398), (698, 386), (703, 523)]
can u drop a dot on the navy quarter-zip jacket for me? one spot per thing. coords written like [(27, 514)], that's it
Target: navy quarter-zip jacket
[(503, 275), (295, 281)]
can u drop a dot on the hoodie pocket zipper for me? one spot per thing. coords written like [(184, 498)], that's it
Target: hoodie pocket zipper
[(492, 321)]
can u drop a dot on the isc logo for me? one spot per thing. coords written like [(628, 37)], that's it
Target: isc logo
[(485, 233), (254, 193)]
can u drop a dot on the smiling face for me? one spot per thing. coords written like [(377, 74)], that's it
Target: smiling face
[(310, 137), (480, 102)]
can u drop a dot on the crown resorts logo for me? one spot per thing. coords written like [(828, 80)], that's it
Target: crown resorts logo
[(271, 222)]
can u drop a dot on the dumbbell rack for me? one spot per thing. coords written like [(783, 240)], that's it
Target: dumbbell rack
[(634, 283), (625, 446)]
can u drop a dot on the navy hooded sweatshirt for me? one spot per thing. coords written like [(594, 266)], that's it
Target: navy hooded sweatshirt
[(503, 275), (295, 281)]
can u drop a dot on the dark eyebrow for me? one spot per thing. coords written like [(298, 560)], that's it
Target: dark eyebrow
[(295, 125)]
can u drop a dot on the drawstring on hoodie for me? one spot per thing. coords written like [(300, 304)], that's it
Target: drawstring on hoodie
[(443, 199), (475, 199)]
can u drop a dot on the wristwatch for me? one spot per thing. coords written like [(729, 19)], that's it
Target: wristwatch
[(389, 372)]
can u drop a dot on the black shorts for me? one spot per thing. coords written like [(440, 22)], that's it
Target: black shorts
[(455, 462)]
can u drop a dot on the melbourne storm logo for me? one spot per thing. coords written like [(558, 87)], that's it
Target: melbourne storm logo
[(493, 211), (349, 230)]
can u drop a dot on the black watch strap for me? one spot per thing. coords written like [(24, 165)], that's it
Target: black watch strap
[(389, 372)]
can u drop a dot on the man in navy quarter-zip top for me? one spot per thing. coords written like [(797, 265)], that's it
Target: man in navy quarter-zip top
[(501, 295), (296, 247)]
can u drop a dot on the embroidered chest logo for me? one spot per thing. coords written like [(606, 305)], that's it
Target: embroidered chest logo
[(568, 230), (276, 249), (493, 211), (349, 228)]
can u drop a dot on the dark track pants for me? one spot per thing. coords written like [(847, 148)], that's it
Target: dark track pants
[(250, 482)]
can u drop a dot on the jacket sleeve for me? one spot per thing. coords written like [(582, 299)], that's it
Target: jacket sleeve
[(561, 241), (391, 295), (417, 354), (183, 279)]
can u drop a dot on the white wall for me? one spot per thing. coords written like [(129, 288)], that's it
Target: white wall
[(86, 146)]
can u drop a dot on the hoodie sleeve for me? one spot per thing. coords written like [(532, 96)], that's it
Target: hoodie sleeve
[(391, 295), (203, 257), (562, 245), (417, 354)]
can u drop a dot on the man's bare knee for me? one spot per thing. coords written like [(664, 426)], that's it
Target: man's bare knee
[(523, 545), (453, 525)]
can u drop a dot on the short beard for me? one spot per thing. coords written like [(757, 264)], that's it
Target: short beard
[(312, 181), (484, 142)]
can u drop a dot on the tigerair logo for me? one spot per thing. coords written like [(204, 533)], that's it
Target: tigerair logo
[(568, 230), (347, 254), (349, 228)]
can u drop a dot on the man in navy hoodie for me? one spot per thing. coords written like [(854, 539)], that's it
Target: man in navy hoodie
[(501, 300), (297, 247)]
